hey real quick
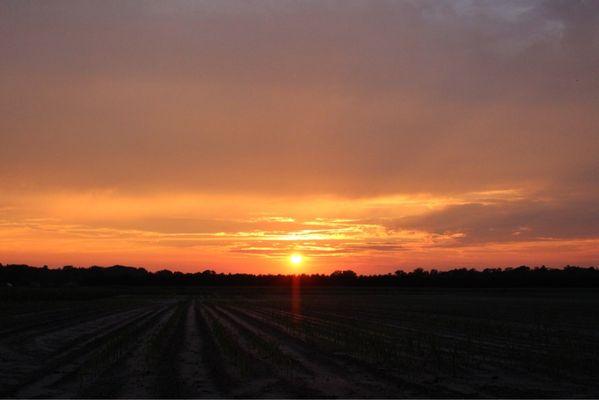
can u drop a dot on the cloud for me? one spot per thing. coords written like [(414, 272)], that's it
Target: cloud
[(509, 221), (373, 131), (345, 98)]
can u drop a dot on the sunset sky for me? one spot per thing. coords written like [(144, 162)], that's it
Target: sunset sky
[(371, 135)]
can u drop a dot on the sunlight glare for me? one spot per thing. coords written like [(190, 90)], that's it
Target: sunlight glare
[(296, 259)]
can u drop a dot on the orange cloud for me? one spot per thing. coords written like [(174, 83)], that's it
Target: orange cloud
[(368, 135)]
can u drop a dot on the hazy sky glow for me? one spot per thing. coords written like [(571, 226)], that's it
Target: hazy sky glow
[(366, 135)]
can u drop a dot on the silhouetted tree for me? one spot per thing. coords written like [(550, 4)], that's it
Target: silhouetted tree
[(523, 276)]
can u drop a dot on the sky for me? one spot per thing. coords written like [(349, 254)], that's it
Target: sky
[(365, 135)]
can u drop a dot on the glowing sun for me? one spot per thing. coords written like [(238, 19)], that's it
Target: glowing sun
[(296, 259)]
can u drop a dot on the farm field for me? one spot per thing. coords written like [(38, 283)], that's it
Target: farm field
[(308, 342)]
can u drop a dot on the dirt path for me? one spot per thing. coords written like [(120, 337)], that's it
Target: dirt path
[(195, 377)]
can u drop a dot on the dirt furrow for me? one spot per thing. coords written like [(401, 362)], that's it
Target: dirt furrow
[(196, 379), (400, 338), (21, 362), (295, 370), (256, 377), (340, 375), (132, 376), (163, 351), (45, 325), (213, 360), (495, 354), (69, 371), (441, 378), (334, 338)]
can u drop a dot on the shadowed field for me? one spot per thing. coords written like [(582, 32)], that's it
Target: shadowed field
[(310, 342)]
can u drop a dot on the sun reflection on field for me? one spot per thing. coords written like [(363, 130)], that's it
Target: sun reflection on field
[(295, 296)]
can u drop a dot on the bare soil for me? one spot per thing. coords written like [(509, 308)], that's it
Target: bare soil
[(267, 343)]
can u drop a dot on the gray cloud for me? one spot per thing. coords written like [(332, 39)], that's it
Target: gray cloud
[(507, 221), (350, 98)]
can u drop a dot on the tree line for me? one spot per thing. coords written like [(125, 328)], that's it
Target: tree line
[(523, 276)]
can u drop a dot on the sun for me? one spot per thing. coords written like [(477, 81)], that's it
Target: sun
[(296, 259)]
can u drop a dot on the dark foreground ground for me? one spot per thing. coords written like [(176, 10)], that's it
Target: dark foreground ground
[(315, 342)]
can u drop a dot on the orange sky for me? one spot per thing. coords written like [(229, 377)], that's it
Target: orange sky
[(364, 135)]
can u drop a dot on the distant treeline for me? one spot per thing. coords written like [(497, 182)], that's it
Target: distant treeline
[(523, 276)]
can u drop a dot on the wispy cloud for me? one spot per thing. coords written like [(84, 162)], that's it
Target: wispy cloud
[(359, 133)]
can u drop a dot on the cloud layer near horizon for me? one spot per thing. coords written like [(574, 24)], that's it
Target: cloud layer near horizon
[(474, 123)]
